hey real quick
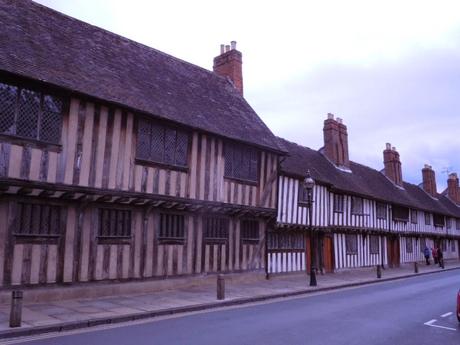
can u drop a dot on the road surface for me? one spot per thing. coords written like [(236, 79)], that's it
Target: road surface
[(419, 310)]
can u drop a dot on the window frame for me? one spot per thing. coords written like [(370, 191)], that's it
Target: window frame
[(351, 244), (172, 239), (225, 221), (428, 218), (338, 203), (242, 148), (247, 239), (448, 223), (379, 206), (114, 238), (179, 130), (413, 216), (409, 245), (439, 217), (22, 237), (37, 140), (374, 244), (397, 218), (354, 203), (457, 223)]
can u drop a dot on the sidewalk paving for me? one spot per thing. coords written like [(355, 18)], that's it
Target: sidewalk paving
[(80, 313)]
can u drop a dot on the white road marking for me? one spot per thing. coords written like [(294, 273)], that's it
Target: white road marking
[(430, 323), (446, 314)]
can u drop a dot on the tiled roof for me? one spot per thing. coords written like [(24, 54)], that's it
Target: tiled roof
[(361, 180), (45, 45)]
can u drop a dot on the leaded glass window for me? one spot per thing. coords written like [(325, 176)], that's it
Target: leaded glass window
[(30, 114), (161, 144)]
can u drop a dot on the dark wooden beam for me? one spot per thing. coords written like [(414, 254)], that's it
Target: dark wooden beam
[(25, 191), (46, 193), (104, 198), (68, 196)]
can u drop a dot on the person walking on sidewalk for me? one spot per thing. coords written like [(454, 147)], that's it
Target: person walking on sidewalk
[(440, 257), (434, 252), (426, 252)]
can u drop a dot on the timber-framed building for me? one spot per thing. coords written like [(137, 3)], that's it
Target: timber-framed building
[(363, 217), (120, 162)]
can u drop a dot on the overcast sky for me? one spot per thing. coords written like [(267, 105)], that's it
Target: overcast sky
[(390, 69)]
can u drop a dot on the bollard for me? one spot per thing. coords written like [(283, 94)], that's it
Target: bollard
[(220, 287), (313, 277), (379, 271), (16, 309), (415, 267)]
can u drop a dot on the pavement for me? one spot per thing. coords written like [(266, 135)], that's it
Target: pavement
[(82, 313)]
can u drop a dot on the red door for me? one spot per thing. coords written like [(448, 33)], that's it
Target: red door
[(393, 251), (328, 254)]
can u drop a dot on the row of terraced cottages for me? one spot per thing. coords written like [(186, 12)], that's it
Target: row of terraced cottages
[(361, 216), (120, 162)]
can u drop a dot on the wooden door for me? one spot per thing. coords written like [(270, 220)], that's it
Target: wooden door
[(393, 251), (328, 254)]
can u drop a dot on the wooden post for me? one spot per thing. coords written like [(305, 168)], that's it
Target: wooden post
[(415, 267), (16, 309), (379, 271), (220, 287)]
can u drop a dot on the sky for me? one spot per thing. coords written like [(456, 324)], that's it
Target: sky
[(389, 69)]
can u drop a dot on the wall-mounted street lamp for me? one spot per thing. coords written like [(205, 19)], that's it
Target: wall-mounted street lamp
[(309, 184)]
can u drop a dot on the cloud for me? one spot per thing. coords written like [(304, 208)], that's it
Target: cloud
[(412, 103)]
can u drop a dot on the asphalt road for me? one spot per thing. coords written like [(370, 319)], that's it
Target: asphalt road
[(409, 311)]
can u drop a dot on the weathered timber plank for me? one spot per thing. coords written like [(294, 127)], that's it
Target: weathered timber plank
[(86, 158), (115, 145), (69, 144), (128, 164)]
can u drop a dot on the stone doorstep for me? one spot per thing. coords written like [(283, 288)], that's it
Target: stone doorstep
[(79, 324), (52, 293)]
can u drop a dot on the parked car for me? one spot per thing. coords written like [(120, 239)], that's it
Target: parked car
[(458, 305)]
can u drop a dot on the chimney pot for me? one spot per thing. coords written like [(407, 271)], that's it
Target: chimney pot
[(429, 180), (392, 165), (339, 120), (233, 45), (330, 116), (229, 64), (453, 189)]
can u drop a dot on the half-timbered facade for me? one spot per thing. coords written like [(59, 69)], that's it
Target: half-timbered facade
[(120, 162), (362, 216)]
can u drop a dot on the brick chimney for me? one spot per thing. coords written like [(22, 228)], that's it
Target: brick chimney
[(230, 64), (453, 189), (392, 165), (336, 141), (429, 180)]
